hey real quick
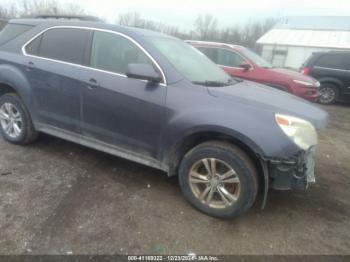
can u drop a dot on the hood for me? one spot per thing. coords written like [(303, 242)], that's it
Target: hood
[(272, 100), (292, 75)]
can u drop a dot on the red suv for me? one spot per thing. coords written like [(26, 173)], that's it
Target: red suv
[(241, 62)]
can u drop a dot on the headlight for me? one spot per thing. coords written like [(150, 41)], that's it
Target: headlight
[(304, 83), (300, 131)]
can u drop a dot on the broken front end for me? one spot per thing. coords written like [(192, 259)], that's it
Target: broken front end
[(296, 173)]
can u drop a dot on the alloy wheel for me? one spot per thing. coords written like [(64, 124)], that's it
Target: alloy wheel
[(215, 183), (327, 95), (11, 120)]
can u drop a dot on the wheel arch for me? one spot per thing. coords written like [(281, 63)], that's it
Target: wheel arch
[(13, 80), (5, 89), (174, 156), (332, 80)]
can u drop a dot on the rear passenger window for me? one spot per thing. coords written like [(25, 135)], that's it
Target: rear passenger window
[(113, 53), (63, 44), (11, 31), (331, 61)]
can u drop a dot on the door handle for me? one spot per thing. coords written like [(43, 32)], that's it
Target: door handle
[(30, 66), (93, 83)]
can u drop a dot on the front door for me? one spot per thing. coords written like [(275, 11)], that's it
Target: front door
[(116, 110)]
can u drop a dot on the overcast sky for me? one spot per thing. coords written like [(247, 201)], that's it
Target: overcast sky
[(229, 12)]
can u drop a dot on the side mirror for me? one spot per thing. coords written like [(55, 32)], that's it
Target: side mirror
[(143, 72), (245, 66)]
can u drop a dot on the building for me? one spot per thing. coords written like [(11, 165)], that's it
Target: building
[(294, 39)]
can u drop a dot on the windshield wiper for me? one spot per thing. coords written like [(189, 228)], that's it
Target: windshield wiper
[(230, 82), (210, 83), (217, 83), (236, 79)]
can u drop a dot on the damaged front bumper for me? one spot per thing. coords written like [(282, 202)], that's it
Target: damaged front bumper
[(296, 173)]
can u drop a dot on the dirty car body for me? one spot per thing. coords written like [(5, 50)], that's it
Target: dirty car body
[(152, 117)]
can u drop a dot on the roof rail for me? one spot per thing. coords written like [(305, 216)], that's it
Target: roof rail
[(211, 43), (68, 17)]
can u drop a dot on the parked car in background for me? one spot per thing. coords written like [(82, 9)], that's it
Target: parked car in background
[(239, 61), (332, 69), (155, 100)]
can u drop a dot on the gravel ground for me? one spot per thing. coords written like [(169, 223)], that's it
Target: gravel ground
[(60, 198)]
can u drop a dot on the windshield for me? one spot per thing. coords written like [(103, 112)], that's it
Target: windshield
[(256, 58), (190, 62)]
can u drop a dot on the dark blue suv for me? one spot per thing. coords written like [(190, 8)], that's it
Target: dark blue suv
[(155, 100)]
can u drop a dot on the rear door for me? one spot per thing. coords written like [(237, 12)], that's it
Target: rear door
[(123, 113), (53, 65)]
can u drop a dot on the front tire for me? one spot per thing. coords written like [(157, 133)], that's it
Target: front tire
[(218, 179), (329, 94), (15, 123)]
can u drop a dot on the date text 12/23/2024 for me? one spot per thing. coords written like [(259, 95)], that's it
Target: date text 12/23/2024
[(191, 257)]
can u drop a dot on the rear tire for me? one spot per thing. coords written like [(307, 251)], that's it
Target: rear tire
[(329, 94), (15, 122), (219, 179)]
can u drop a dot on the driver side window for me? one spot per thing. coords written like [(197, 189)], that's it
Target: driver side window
[(228, 58), (113, 53)]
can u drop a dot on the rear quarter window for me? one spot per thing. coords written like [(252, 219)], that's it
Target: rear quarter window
[(11, 31), (33, 47), (335, 61)]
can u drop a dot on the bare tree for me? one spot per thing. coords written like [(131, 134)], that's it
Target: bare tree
[(136, 20), (253, 31), (73, 8), (131, 19), (8, 13), (246, 35), (31, 7), (206, 26)]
